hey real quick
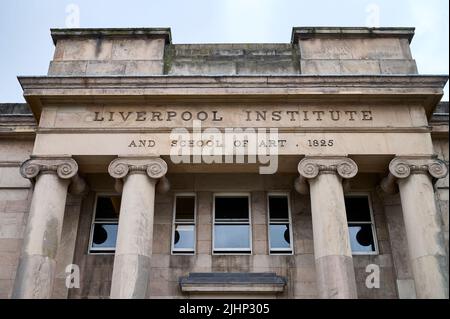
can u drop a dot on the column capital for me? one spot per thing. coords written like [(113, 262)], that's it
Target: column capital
[(403, 166), (154, 167), (311, 167), (64, 167)]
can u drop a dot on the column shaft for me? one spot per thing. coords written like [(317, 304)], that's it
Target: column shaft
[(425, 240), (334, 264), (36, 270), (134, 238)]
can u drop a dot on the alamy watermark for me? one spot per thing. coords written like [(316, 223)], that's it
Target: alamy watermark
[(73, 16), (373, 279), (72, 276), (232, 145)]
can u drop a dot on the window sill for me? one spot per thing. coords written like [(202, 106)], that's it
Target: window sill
[(233, 282)]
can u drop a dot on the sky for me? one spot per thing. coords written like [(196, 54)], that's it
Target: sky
[(26, 47)]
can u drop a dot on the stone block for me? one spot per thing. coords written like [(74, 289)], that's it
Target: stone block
[(12, 225), (15, 150), (73, 68), (7, 272), (6, 286), (359, 67), (204, 232), (398, 67), (262, 261), (322, 67), (260, 232), (260, 247), (384, 247), (161, 238), (203, 68), (14, 194), (10, 178), (144, 67), (96, 289), (259, 208), (302, 274), (305, 288), (305, 246), (10, 245), (163, 288), (406, 289), (60, 291), (202, 261), (9, 259), (16, 206), (138, 49), (357, 48), (204, 246), (106, 68), (84, 49), (266, 67), (163, 214), (160, 260), (304, 260), (361, 261)]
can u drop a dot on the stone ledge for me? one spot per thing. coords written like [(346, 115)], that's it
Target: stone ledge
[(233, 282), (58, 34), (350, 32)]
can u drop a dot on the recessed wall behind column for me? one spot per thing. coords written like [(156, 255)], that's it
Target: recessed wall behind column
[(15, 196), (299, 268)]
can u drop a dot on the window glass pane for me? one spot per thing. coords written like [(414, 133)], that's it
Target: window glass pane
[(232, 237), (231, 207), (361, 237), (278, 207), (104, 236), (184, 237), (279, 236), (185, 208), (357, 208), (107, 207)]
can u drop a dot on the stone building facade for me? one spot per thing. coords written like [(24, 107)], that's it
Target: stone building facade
[(356, 207)]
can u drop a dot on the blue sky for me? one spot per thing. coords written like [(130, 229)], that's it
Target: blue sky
[(26, 47)]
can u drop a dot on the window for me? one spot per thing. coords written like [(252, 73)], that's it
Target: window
[(280, 232), (183, 234), (360, 224), (105, 224), (232, 233)]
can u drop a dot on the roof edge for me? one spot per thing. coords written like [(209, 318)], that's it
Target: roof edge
[(351, 32), (58, 34)]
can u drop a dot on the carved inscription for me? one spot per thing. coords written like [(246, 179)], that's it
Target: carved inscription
[(245, 115)]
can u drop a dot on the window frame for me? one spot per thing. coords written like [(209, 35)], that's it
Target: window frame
[(183, 251), (372, 223), (232, 251), (101, 251), (280, 251)]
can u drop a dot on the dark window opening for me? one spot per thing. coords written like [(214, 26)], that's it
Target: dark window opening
[(279, 225), (232, 225), (360, 224), (105, 225), (183, 241)]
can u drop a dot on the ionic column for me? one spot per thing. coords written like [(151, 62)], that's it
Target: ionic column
[(332, 252), (135, 233), (425, 239), (36, 270)]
